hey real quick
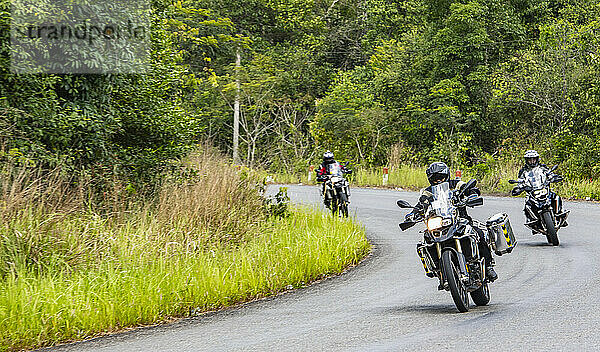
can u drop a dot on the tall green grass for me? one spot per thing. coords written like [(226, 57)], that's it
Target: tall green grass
[(289, 178), (405, 176), (71, 268)]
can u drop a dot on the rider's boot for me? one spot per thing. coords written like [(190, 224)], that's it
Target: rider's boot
[(484, 249), (491, 273)]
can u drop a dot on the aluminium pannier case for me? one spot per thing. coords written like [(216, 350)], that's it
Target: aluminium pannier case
[(501, 234)]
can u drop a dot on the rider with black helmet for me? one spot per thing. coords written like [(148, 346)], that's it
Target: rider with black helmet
[(437, 173)]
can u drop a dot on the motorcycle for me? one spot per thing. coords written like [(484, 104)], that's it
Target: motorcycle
[(336, 192), (540, 204), (450, 250)]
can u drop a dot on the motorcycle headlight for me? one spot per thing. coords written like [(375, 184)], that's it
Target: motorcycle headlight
[(434, 223), (335, 179), (540, 193)]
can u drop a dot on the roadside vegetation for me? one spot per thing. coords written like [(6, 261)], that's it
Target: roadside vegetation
[(71, 268), (494, 181)]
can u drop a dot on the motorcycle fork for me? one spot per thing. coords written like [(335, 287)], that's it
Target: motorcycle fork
[(482, 268), (443, 282), (462, 262)]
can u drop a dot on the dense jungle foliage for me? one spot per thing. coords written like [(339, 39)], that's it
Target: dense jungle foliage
[(377, 81)]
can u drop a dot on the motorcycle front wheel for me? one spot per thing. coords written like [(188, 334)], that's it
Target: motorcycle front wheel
[(551, 234), (343, 201), (457, 288), (334, 206)]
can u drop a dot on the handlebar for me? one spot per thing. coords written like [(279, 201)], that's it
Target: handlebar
[(406, 225)]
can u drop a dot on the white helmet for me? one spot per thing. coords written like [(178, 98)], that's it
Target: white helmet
[(532, 158), (327, 157)]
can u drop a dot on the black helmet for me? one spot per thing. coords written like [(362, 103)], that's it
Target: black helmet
[(437, 172), (532, 158), (327, 157)]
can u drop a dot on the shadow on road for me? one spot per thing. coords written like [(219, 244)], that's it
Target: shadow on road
[(424, 309), (475, 312), (541, 244)]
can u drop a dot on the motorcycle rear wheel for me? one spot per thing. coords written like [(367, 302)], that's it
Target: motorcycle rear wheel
[(481, 296), (457, 288), (551, 234)]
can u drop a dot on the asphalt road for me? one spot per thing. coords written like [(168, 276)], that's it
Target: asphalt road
[(545, 297)]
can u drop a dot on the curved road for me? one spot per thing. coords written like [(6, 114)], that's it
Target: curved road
[(545, 298)]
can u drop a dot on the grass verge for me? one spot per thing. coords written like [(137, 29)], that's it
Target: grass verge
[(40, 310)]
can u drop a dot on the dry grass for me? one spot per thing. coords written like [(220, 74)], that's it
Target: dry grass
[(220, 203), (75, 263), (23, 188), (48, 220)]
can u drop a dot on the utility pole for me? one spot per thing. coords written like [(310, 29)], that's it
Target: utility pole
[(236, 109)]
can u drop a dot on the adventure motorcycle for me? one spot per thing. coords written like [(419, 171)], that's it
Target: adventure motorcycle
[(336, 192), (542, 204), (450, 251)]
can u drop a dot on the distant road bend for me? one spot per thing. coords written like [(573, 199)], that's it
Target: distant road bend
[(545, 298)]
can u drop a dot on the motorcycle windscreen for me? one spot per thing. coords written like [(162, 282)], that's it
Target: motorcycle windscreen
[(535, 178), (335, 169), (441, 200)]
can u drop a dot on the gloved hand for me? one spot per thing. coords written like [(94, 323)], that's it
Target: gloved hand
[(516, 191), (410, 217)]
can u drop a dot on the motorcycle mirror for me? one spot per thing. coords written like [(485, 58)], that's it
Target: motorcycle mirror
[(513, 181), (403, 204)]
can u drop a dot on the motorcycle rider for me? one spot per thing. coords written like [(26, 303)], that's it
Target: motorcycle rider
[(532, 160), (323, 171), (437, 173)]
